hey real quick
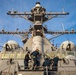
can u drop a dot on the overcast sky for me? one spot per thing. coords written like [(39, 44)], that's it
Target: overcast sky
[(9, 23)]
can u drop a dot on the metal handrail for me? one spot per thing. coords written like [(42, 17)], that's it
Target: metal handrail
[(64, 67)]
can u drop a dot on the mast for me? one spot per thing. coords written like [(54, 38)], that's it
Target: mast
[(37, 16)]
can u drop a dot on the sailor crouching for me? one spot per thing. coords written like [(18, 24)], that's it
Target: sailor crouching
[(26, 60)]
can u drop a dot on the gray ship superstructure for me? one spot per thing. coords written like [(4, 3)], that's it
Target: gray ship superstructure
[(13, 52)]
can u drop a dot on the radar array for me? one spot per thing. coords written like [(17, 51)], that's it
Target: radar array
[(37, 16)]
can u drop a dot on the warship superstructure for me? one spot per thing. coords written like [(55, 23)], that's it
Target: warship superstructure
[(12, 51)]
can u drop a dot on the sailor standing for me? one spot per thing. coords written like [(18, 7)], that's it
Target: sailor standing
[(46, 64), (35, 56), (55, 64), (26, 60)]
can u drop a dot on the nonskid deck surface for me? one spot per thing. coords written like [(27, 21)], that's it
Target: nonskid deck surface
[(18, 61), (71, 70), (39, 73), (63, 69)]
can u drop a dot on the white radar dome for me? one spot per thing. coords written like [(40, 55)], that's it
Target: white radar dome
[(12, 44), (67, 44)]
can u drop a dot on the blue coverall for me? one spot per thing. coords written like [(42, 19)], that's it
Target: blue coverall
[(35, 55), (55, 64), (47, 64), (27, 58)]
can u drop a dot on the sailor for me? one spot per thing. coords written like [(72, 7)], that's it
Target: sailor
[(46, 64), (35, 56), (26, 60), (55, 64)]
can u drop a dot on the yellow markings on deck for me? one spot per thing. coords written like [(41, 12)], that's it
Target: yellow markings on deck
[(21, 55), (12, 55), (4, 55)]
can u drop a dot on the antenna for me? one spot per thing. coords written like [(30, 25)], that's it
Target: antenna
[(62, 9), (12, 9), (63, 27)]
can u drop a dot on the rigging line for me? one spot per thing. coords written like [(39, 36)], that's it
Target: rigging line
[(66, 35)]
